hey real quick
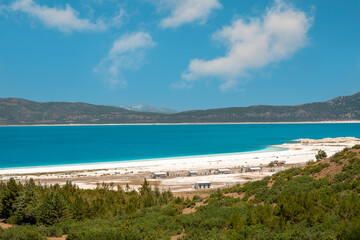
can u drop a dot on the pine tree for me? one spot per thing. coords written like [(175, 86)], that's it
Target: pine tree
[(147, 194), (27, 204), (54, 210), (11, 192)]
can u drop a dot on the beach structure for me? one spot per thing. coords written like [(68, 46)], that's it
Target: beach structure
[(278, 163), (223, 171), (193, 173), (253, 169), (159, 175), (202, 185)]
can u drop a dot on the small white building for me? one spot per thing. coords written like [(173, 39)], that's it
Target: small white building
[(159, 175), (202, 185), (193, 173), (223, 171), (253, 169)]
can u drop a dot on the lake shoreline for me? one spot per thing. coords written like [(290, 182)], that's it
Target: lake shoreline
[(296, 153), (205, 123), (118, 164)]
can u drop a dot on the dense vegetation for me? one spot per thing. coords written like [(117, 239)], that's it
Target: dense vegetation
[(14, 111), (320, 201)]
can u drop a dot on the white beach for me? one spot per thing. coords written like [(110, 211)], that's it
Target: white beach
[(88, 175)]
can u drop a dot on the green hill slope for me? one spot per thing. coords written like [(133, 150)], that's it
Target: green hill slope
[(320, 201)]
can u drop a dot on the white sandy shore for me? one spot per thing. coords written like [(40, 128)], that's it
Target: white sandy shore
[(300, 151), (133, 172)]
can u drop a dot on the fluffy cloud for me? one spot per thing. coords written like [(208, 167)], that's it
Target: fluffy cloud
[(187, 11), (254, 44), (65, 19), (127, 52)]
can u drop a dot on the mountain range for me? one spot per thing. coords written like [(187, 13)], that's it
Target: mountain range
[(16, 111)]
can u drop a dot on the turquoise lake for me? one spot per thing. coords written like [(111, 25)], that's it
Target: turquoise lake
[(57, 145)]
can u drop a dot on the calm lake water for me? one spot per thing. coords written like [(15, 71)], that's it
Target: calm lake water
[(56, 145)]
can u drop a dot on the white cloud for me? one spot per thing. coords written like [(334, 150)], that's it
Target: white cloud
[(65, 19), (119, 19), (127, 52), (254, 44), (187, 11), (180, 85)]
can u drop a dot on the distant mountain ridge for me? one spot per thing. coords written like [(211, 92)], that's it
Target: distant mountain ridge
[(15, 111), (149, 108)]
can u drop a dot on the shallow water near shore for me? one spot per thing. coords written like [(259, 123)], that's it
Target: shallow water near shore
[(63, 145)]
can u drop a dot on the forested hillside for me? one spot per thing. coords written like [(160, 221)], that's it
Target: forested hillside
[(14, 111), (320, 201)]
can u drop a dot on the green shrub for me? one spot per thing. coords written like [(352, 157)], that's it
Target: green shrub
[(320, 155), (355, 160), (170, 211), (22, 233), (310, 162), (196, 198), (315, 168)]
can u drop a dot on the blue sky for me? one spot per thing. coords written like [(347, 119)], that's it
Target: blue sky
[(190, 54)]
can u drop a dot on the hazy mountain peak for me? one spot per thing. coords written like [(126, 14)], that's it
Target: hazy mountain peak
[(149, 108)]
